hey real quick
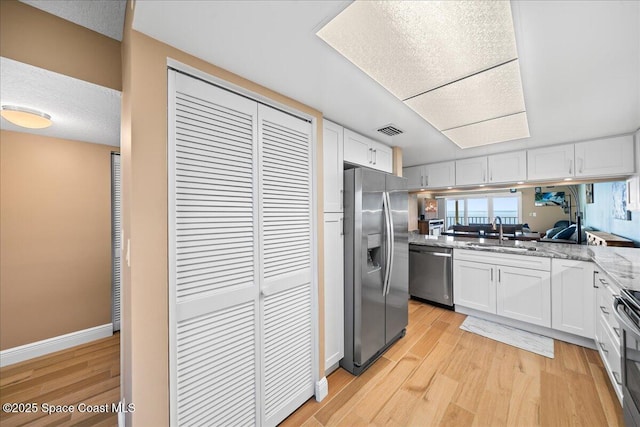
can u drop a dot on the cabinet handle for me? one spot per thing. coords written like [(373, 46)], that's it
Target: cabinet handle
[(491, 176), (617, 331), (499, 275), (617, 377), (594, 279), (604, 282), (581, 164), (492, 274), (603, 310), (341, 226), (421, 181), (427, 181), (341, 199), (570, 166), (602, 347), (370, 155)]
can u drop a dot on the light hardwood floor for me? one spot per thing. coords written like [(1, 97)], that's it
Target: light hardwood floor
[(439, 375), (89, 373)]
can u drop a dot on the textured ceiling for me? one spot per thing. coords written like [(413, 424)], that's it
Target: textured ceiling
[(103, 16), (79, 110), (579, 63)]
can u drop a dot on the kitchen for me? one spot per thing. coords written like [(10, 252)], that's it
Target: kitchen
[(579, 83)]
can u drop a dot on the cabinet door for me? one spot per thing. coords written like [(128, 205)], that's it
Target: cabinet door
[(357, 149), (382, 157), (524, 294), (474, 285), (333, 289), (440, 175), (572, 297), (471, 171), (332, 149), (550, 162), (415, 177), (605, 157), (508, 167)]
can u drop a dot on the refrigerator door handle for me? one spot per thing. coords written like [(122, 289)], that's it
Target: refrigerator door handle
[(392, 239), (385, 212), (390, 243)]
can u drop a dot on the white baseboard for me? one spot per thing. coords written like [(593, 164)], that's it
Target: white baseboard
[(321, 389), (50, 345)]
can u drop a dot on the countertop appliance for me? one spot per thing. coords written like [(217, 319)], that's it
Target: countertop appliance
[(376, 265), (436, 227), (627, 311), (431, 274)]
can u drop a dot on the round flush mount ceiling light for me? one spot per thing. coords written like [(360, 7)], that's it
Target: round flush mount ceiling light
[(26, 117)]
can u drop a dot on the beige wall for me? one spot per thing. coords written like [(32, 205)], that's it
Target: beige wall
[(35, 37), (55, 237), (144, 157)]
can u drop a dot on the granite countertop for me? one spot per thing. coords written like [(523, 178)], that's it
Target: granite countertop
[(622, 264)]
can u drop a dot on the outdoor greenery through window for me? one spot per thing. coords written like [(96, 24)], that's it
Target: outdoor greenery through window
[(470, 210)]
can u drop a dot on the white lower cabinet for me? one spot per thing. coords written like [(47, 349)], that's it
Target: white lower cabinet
[(333, 290), (473, 285), (573, 297), (607, 330), (502, 284), (524, 294)]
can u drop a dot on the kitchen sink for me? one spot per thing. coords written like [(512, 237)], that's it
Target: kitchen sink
[(505, 248)]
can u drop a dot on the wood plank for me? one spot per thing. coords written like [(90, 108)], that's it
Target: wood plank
[(607, 396), (379, 395), (456, 416), (431, 409), (337, 380), (346, 399)]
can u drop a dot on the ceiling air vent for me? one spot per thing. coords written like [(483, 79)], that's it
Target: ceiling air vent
[(390, 130)]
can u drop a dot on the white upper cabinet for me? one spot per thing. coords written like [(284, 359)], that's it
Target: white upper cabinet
[(602, 157), (507, 167), (415, 177), (382, 157), (332, 149), (440, 175), (550, 162), (363, 151), (471, 171), (356, 148)]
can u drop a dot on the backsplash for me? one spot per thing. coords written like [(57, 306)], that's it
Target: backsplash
[(599, 214)]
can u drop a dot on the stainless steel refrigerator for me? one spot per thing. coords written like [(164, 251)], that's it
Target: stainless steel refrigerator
[(376, 265)]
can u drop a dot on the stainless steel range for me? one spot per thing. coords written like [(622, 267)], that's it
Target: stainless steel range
[(627, 311)]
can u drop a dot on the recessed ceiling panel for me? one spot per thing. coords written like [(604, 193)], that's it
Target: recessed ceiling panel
[(410, 47), (488, 95), (489, 132)]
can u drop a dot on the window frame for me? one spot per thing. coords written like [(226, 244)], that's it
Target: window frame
[(490, 210)]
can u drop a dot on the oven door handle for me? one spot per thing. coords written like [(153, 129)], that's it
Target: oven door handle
[(629, 326)]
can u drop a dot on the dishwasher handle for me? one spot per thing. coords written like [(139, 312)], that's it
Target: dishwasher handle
[(440, 254)]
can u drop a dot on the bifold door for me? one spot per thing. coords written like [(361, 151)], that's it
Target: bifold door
[(240, 291)]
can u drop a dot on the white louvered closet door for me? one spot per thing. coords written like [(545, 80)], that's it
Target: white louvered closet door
[(213, 255), (286, 224), (116, 238)]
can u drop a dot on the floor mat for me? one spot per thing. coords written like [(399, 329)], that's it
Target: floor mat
[(512, 336)]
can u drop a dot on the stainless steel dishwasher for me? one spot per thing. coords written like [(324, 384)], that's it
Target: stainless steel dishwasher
[(431, 274)]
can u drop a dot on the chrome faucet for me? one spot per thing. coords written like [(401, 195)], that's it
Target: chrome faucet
[(493, 224)]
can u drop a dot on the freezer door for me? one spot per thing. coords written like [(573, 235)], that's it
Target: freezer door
[(397, 301), (369, 300)]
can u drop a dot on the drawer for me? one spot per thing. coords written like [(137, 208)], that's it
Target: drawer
[(610, 354), (508, 260)]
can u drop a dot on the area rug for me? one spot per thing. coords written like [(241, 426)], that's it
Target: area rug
[(508, 335)]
